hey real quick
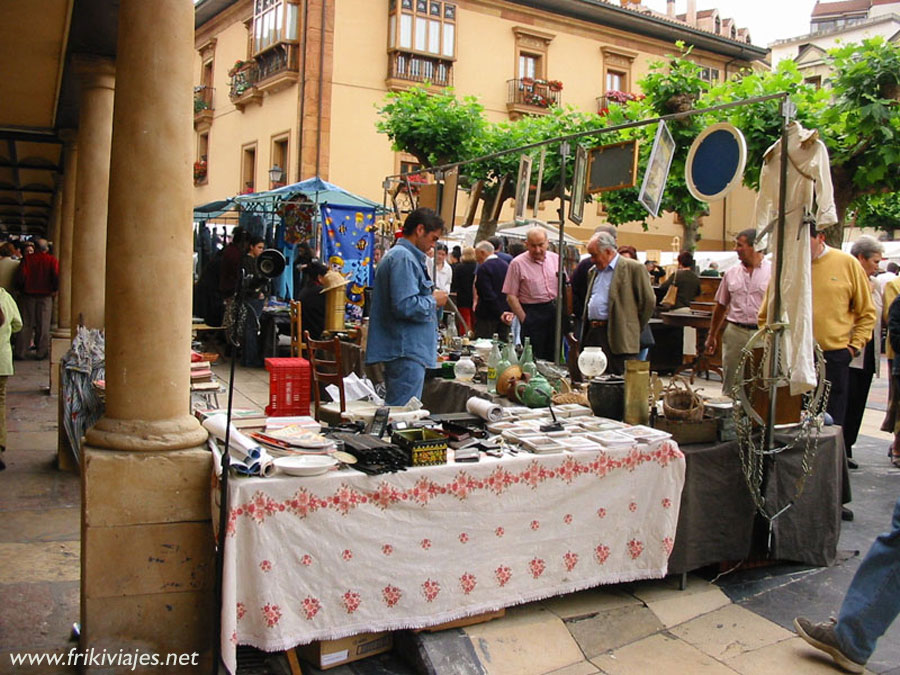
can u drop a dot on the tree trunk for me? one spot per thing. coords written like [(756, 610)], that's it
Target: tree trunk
[(691, 230), (844, 194)]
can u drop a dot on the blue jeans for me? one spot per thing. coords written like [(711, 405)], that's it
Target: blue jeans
[(873, 600), (403, 379)]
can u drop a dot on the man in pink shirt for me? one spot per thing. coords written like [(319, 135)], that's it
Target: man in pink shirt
[(531, 289), (738, 299)]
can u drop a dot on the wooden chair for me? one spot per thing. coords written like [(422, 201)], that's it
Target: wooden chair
[(297, 345), (325, 364)]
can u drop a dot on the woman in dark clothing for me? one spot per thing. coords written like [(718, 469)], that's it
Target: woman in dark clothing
[(254, 291), (686, 280), (463, 283), (312, 300)]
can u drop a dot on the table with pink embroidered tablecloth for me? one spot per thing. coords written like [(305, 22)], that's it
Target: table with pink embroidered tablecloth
[(343, 553)]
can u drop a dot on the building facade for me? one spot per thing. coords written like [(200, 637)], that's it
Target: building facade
[(296, 85)]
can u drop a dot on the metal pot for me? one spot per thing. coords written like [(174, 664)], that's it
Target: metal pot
[(606, 395)]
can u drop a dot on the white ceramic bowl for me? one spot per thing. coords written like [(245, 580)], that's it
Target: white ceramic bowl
[(306, 465)]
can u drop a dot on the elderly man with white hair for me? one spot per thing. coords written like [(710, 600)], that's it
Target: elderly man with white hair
[(618, 304)]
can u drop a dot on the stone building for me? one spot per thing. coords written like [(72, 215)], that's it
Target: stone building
[(296, 85)]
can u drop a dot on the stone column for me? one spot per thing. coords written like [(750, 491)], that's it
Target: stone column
[(147, 554), (97, 77)]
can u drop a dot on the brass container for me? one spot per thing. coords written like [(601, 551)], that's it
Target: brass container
[(637, 392)]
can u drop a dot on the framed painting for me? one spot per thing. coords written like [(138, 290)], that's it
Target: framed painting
[(612, 167), (523, 185), (579, 176), (657, 172)]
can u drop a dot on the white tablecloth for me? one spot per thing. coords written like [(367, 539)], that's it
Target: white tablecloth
[(330, 556)]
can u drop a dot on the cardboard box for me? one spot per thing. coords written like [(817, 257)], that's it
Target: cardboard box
[(465, 621), (327, 654)]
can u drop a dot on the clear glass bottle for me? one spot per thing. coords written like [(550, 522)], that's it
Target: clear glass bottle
[(492, 362), (527, 361), (510, 353)]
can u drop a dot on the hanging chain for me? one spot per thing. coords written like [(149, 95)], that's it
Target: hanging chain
[(753, 381)]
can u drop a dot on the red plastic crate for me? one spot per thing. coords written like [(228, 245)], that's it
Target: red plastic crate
[(289, 387)]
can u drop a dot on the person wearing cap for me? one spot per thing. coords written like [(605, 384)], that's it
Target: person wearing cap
[(404, 313)]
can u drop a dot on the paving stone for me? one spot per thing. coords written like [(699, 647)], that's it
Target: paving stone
[(659, 653), (583, 668), (730, 631), (41, 525), (675, 608), (37, 615), (51, 561), (585, 604), (34, 440), (659, 589), (528, 639), (613, 629), (788, 656)]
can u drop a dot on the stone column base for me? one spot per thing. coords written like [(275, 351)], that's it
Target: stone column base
[(147, 556)]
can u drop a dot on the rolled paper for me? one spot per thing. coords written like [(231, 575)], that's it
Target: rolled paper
[(215, 424), (490, 412)]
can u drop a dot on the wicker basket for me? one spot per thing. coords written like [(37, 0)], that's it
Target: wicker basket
[(680, 402), (571, 397)]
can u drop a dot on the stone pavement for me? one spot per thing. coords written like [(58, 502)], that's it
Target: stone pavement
[(739, 622)]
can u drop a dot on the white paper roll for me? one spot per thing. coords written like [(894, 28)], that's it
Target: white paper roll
[(484, 409), (215, 424)]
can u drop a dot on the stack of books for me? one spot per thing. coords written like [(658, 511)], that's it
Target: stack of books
[(202, 377)]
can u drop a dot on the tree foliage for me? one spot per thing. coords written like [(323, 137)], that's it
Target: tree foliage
[(858, 118)]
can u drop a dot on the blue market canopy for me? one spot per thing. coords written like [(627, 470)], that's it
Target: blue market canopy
[(213, 209), (315, 190)]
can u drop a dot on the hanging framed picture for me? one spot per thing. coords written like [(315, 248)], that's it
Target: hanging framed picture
[(715, 162), (522, 188), (612, 167), (657, 172), (579, 176)]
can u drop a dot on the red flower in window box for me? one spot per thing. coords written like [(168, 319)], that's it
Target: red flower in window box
[(555, 85), (200, 169)]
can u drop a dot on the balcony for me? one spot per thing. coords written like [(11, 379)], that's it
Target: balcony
[(277, 67), (405, 69), (527, 96), (613, 98), (200, 172), (243, 91), (203, 107)]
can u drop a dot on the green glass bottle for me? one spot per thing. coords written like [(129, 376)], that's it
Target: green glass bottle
[(492, 362)]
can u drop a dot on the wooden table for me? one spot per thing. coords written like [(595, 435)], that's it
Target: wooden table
[(700, 321)]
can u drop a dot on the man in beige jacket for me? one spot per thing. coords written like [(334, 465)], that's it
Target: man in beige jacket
[(618, 304)]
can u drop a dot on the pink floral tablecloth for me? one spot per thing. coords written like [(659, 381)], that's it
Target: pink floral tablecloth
[(334, 555)]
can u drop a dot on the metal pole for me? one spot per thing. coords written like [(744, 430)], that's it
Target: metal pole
[(560, 273), (775, 316)]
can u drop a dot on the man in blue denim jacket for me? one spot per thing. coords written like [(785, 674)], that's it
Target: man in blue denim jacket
[(404, 313)]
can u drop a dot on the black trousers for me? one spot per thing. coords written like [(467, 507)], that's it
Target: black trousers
[(485, 328), (598, 336), (858, 382), (539, 325)]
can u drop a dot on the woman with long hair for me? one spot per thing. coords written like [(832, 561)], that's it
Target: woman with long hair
[(10, 322)]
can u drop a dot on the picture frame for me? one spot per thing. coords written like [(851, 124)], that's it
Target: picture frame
[(522, 188), (612, 167), (657, 173), (579, 179)]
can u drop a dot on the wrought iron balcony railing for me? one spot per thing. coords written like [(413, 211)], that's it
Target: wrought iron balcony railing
[(533, 92), (242, 79), (416, 68), (281, 57), (203, 98)]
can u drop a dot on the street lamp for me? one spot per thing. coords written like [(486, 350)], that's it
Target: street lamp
[(276, 176)]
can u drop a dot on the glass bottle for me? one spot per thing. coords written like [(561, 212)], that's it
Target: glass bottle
[(492, 362), (510, 353), (527, 362)]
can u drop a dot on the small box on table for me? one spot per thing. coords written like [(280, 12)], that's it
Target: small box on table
[(289, 387), (423, 447), (685, 433), (327, 654)]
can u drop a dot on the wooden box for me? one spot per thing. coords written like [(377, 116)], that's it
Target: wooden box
[(685, 433), (423, 447)]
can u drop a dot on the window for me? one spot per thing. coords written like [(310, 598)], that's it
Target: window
[(615, 81), (424, 26), (617, 69), (203, 147), (710, 75), (248, 168), (274, 21), (815, 81), (531, 53), (280, 155)]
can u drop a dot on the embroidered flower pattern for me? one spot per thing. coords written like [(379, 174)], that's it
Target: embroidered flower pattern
[(351, 601), (601, 513), (463, 538), (635, 548), (391, 595), (499, 532), (503, 574), (467, 583), (424, 491), (345, 499), (537, 567), (425, 544), (668, 545), (601, 553), (387, 549), (567, 519), (347, 554), (666, 503), (632, 507), (265, 565), (311, 607), (430, 589), (271, 614), (302, 503), (499, 480), (261, 507), (306, 560), (570, 560), (535, 525), (386, 495), (241, 610)]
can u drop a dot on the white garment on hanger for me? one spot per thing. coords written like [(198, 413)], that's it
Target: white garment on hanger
[(808, 176)]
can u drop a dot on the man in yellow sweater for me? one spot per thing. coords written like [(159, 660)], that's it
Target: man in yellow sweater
[(843, 319)]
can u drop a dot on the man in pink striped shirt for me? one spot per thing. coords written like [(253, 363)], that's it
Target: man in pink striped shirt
[(738, 299), (531, 290)]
